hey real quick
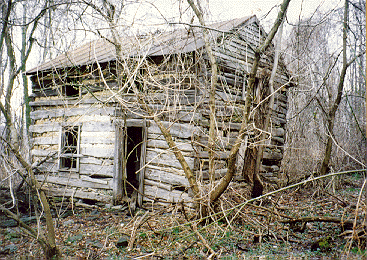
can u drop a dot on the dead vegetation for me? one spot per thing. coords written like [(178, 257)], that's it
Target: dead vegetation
[(303, 221)]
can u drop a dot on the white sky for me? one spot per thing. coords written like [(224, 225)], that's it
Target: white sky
[(220, 10)]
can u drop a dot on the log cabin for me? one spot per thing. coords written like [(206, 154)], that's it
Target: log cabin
[(95, 139)]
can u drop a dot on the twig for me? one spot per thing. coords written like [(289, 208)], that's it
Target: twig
[(193, 227), (354, 233), (342, 202), (137, 224), (320, 219), (40, 238)]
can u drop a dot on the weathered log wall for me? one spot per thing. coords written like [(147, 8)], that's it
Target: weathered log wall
[(176, 88), (96, 147), (235, 54)]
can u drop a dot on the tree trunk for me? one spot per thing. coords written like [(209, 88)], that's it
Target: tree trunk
[(334, 107), (224, 182), (262, 121), (213, 82)]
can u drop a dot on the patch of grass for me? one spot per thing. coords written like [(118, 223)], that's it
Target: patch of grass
[(74, 238), (176, 230), (358, 251), (142, 235)]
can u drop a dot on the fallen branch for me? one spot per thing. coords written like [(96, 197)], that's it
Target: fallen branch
[(140, 221), (193, 227), (30, 231), (345, 223)]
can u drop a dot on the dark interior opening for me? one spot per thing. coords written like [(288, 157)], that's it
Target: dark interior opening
[(134, 137), (70, 91)]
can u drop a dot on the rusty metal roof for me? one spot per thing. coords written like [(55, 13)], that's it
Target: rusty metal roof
[(164, 43)]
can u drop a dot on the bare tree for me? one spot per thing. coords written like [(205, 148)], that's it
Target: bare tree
[(314, 105), (13, 68)]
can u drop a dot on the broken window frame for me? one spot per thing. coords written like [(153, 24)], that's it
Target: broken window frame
[(73, 156)]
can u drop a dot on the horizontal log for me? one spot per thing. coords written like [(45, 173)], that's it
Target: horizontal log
[(104, 181), (98, 161), (96, 170), (45, 140), (280, 132), (279, 115), (218, 155), (169, 170), (165, 158), (48, 168), (278, 139), (101, 125), (217, 174), (162, 144), (44, 128), (154, 192), (271, 168), (44, 153), (90, 195), (68, 112), (98, 126), (63, 102), (278, 121), (157, 184), (99, 151), (185, 116), (166, 177), (176, 130), (273, 156), (72, 182), (222, 142), (224, 125), (97, 138), (229, 81), (280, 109)]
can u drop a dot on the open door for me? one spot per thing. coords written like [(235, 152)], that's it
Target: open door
[(130, 146)]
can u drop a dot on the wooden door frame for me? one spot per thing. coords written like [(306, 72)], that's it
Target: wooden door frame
[(118, 158)]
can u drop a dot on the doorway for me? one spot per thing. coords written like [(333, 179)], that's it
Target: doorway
[(129, 160), (132, 154)]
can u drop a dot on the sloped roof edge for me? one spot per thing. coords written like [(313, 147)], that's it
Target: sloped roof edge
[(170, 42)]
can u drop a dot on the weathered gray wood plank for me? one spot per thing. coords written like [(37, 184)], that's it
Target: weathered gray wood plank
[(162, 144), (166, 177), (218, 155), (158, 184), (72, 182), (154, 192), (97, 161), (274, 156), (46, 140), (98, 170), (98, 126), (44, 128), (100, 138), (44, 153), (278, 132), (60, 192), (165, 158), (67, 112), (99, 151), (176, 130)]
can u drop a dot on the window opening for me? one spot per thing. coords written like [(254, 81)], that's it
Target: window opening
[(69, 150), (71, 88), (70, 91)]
